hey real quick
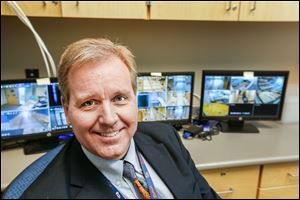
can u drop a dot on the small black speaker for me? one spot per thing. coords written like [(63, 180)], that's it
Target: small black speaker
[(32, 73)]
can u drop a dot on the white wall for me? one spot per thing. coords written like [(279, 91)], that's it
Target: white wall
[(161, 45)]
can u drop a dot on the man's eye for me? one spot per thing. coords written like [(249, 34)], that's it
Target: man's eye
[(119, 98), (88, 103)]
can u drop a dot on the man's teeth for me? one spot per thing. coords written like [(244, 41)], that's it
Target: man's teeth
[(111, 134)]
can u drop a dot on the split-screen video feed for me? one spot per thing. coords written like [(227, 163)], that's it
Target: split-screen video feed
[(241, 96), (24, 109), (164, 97)]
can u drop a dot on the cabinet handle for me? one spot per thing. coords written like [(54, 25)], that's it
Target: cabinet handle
[(293, 175), (44, 3), (228, 5), (55, 2), (234, 7), (77, 3), (253, 6), (229, 191)]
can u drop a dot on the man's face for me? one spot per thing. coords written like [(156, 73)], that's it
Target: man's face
[(102, 107)]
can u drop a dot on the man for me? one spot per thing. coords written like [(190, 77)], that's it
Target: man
[(113, 157)]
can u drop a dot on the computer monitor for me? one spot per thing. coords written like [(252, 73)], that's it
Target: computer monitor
[(30, 111), (165, 97), (235, 96)]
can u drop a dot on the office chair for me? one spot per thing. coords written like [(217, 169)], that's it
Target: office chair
[(17, 187)]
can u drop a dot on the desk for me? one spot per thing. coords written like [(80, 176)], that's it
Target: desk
[(275, 143)]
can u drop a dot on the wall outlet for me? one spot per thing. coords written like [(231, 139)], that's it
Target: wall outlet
[(32, 73)]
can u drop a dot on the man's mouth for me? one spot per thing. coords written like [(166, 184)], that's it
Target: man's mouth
[(109, 134)]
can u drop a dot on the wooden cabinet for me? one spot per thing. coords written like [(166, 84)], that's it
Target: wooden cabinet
[(270, 181), (105, 9), (279, 181), (280, 174), (34, 8), (81, 9), (226, 10), (234, 183), (269, 11), (191, 10), (163, 10)]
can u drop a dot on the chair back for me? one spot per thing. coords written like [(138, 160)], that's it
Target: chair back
[(17, 187)]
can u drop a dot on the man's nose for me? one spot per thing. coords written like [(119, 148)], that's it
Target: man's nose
[(107, 116)]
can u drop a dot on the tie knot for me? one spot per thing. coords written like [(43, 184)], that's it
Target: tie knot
[(129, 171)]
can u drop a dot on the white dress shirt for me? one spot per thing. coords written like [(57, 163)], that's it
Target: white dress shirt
[(113, 171)]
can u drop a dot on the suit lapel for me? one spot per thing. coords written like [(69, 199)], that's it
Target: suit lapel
[(160, 160), (85, 179)]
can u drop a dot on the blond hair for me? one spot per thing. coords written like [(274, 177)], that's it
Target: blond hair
[(90, 49)]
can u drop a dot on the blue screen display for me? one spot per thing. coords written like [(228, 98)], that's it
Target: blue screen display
[(164, 98), (230, 95), (28, 108)]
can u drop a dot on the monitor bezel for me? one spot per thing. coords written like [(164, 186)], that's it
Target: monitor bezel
[(38, 135), (180, 121), (240, 73)]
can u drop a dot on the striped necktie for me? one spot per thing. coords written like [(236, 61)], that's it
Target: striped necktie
[(141, 186)]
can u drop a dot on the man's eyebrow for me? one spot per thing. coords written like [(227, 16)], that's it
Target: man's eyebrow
[(83, 96), (121, 91)]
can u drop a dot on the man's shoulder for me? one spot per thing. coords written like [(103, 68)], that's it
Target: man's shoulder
[(54, 174), (155, 128), (150, 126), (156, 132)]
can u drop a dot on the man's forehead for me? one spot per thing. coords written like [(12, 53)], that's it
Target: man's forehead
[(96, 77), (99, 84), (101, 79), (100, 92), (113, 66)]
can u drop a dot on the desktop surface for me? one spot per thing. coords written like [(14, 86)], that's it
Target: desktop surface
[(276, 142)]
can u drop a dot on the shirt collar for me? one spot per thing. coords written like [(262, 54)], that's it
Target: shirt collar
[(131, 157), (113, 169)]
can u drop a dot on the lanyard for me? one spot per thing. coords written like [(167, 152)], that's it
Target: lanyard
[(114, 189), (152, 191)]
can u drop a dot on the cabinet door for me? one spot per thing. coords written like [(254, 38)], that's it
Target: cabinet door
[(191, 10), (269, 11), (34, 8), (279, 180), (280, 174), (234, 183), (105, 9), (283, 192)]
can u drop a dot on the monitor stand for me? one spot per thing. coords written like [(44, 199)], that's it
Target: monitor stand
[(237, 126), (40, 146)]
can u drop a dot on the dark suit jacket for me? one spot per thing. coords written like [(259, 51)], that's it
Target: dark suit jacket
[(72, 175)]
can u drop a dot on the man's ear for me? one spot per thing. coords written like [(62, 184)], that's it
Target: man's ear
[(66, 109)]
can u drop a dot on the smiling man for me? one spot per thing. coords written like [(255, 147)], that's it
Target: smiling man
[(102, 107), (111, 155)]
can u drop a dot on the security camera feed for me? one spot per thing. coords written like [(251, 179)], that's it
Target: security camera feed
[(28, 108), (164, 98), (231, 95)]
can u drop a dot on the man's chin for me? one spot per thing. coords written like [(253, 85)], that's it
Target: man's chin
[(112, 153), (113, 157)]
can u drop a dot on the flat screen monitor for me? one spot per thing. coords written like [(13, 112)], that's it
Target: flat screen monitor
[(30, 110), (235, 96), (165, 97)]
